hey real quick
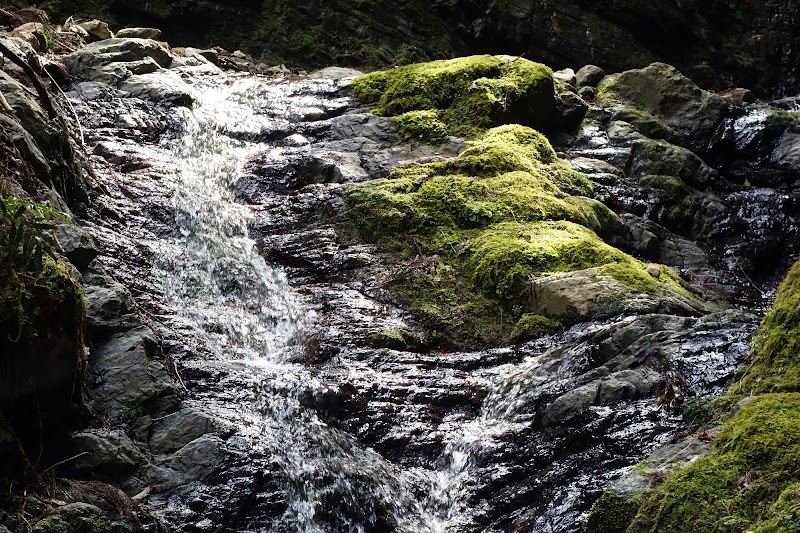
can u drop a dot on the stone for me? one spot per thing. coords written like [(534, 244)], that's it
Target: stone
[(104, 453), (666, 94), (566, 75), (738, 96), (336, 73), (198, 459), (97, 30), (661, 158), (106, 60), (623, 385), (33, 34), (589, 76), (573, 109), (209, 55), (159, 87), (176, 430), (588, 294), (76, 245), (786, 153), (126, 378), (587, 93), (110, 306), (139, 33)]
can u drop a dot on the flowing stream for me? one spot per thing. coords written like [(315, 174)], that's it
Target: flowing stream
[(373, 438)]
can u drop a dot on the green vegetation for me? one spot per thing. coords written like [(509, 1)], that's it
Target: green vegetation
[(753, 460), (497, 216), (750, 480), (467, 95), (644, 122), (23, 238), (530, 326), (675, 201), (76, 520), (612, 514), (775, 363)]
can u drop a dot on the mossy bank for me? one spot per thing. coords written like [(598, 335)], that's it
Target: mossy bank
[(749, 481)]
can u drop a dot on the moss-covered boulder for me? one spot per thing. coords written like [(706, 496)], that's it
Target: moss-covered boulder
[(484, 234), (461, 97), (78, 518)]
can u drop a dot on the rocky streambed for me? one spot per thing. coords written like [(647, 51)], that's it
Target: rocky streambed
[(253, 372)]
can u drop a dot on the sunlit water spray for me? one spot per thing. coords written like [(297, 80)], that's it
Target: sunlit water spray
[(235, 303)]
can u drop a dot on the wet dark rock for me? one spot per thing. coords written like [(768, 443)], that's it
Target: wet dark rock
[(198, 459), (589, 76), (126, 378), (76, 245), (573, 109), (178, 429), (105, 454), (661, 90)]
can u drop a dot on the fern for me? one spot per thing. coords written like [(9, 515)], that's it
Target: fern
[(25, 234)]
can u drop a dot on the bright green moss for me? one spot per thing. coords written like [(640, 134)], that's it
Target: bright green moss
[(422, 126), (784, 514), (457, 316), (775, 364), (753, 461), (530, 326), (611, 514), (469, 95), (504, 258), (750, 479), (511, 173)]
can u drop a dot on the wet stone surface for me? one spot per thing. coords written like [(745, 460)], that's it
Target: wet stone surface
[(312, 401)]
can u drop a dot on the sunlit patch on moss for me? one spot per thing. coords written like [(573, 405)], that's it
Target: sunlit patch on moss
[(469, 95)]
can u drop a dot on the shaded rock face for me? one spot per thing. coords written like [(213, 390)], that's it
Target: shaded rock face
[(45, 160), (720, 44)]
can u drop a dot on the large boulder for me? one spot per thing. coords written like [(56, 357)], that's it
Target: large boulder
[(661, 91)]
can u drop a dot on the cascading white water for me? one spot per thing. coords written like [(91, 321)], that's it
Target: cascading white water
[(236, 303)]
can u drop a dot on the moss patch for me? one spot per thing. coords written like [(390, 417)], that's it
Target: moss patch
[(506, 256), (530, 326), (753, 460), (775, 363), (76, 520), (468, 95), (674, 203)]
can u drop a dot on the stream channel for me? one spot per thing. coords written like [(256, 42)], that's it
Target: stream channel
[(223, 218)]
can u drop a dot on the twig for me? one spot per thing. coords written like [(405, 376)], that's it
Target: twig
[(37, 83), (64, 461)]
